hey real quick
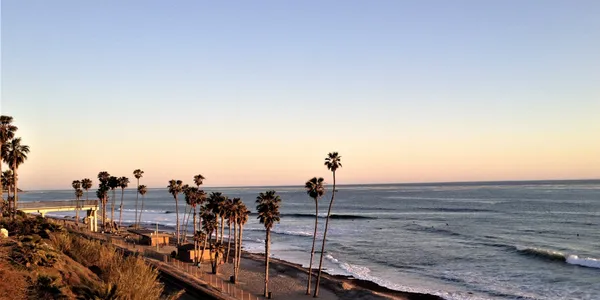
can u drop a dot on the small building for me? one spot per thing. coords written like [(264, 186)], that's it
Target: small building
[(149, 237), (186, 253)]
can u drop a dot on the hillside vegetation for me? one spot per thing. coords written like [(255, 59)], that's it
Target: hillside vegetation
[(41, 260)]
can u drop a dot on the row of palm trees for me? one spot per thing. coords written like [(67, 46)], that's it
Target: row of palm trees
[(217, 209), (14, 154), (111, 183)]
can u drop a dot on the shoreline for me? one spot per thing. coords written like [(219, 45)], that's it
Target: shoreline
[(341, 285)]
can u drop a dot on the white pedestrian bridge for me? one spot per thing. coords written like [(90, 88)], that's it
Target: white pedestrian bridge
[(43, 207)]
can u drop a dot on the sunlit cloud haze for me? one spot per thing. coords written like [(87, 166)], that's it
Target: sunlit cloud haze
[(259, 93)]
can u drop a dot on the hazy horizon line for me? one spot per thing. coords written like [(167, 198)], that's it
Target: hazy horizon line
[(427, 183)]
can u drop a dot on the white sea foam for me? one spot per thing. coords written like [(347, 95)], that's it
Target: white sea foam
[(584, 262)]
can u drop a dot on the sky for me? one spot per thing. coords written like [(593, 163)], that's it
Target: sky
[(258, 92)]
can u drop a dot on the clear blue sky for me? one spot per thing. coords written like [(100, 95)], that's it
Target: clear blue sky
[(257, 92)]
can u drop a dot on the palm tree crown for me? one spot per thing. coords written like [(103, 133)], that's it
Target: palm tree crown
[(142, 190), (138, 173), (333, 161), (76, 184), (123, 182), (268, 208), (315, 188), (199, 179), (17, 153)]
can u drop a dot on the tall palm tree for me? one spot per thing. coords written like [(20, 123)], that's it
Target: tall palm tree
[(7, 133), (86, 184), (142, 191), (123, 183), (315, 189), (229, 215), (207, 219), (175, 187), (102, 194), (222, 212), (333, 162), (76, 184), (190, 194), (137, 174), (187, 211), (241, 217), (17, 155), (268, 213), (113, 184), (214, 205), (78, 195), (198, 200)]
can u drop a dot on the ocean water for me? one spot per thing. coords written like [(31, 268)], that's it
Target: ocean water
[(511, 240)]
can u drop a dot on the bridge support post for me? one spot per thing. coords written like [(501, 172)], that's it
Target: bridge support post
[(93, 219)]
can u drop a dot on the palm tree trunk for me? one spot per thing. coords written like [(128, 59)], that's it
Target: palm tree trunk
[(137, 196), (104, 213), (16, 192), (312, 251), (235, 236), (177, 218), (228, 243), (241, 237), (186, 221), (324, 239), (222, 228), (194, 238), (121, 207), (267, 262), (77, 210), (87, 195), (203, 248), (141, 211), (112, 210)]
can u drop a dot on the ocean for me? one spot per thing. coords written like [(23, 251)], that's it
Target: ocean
[(500, 240)]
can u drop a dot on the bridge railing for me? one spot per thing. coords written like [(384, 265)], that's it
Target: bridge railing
[(55, 204)]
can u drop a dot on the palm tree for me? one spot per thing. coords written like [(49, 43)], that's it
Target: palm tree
[(76, 184), (229, 215), (138, 174), (123, 182), (214, 205), (7, 133), (86, 184), (199, 199), (17, 155), (113, 183), (102, 194), (7, 182), (142, 191), (268, 213), (241, 217), (315, 189), (189, 194), (207, 219), (78, 195), (175, 187), (199, 180), (333, 162)]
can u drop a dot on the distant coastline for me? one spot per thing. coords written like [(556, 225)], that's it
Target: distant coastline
[(19, 190)]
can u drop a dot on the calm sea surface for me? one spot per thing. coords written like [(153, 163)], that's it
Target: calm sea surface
[(520, 240)]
